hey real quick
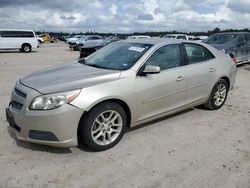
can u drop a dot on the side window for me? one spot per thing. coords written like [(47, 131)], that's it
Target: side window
[(166, 57), (197, 53), (241, 40), (17, 34), (248, 38)]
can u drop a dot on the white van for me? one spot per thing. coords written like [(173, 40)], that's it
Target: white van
[(24, 40)]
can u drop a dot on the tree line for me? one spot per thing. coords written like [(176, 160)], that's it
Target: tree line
[(150, 33)]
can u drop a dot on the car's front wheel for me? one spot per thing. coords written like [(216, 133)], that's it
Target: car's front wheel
[(218, 95), (103, 126)]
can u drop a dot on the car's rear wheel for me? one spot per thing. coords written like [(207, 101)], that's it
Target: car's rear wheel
[(218, 95), (103, 126), (26, 48)]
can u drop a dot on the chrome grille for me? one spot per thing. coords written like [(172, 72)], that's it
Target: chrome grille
[(17, 99)]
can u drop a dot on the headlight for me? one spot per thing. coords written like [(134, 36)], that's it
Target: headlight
[(52, 101)]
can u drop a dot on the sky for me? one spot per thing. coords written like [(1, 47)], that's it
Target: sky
[(124, 16)]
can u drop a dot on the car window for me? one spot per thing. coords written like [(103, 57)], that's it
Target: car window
[(197, 53), (169, 36), (221, 39), (166, 57), (247, 38), (15, 34), (241, 39), (181, 37)]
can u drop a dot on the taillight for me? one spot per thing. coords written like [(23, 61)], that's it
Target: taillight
[(233, 58)]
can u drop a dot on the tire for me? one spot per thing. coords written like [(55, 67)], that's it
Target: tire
[(26, 48), (39, 42), (218, 95), (103, 126), (79, 46)]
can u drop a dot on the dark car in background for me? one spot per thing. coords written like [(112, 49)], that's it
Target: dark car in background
[(86, 50), (236, 43)]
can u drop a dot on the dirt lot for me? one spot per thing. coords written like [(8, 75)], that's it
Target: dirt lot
[(195, 148)]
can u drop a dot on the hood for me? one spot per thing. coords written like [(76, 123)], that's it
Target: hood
[(222, 46), (68, 76)]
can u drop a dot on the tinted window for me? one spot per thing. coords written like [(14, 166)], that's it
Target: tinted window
[(166, 57), (181, 37), (221, 39), (27, 34), (241, 40), (94, 38), (248, 38), (169, 36), (197, 53)]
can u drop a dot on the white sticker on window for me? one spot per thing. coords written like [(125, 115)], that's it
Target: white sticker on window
[(137, 49)]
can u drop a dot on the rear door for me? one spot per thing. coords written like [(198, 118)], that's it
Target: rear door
[(201, 69), (165, 91)]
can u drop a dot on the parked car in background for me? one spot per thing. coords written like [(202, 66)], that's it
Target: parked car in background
[(24, 40), (191, 37), (138, 37), (73, 39), (40, 40), (236, 43), (86, 50), (87, 40), (48, 38), (197, 38), (122, 85), (176, 36)]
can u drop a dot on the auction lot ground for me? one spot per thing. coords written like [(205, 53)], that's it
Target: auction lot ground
[(195, 148)]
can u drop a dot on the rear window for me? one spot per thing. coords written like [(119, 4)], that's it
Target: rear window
[(221, 39), (17, 34), (169, 36)]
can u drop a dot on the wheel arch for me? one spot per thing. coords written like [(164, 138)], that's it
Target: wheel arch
[(122, 103), (26, 43), (227, 80)]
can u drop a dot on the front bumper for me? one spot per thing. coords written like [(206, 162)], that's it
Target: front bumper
[(56, 127)]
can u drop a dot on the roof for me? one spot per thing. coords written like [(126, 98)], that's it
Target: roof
[(155, 40), (236, 32)]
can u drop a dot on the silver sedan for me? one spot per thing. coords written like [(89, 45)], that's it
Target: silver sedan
[(122, 85)]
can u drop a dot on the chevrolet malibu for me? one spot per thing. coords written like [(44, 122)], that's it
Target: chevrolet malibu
[(122, 85)]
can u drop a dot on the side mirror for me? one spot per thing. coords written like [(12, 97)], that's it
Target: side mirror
[(151, 69)]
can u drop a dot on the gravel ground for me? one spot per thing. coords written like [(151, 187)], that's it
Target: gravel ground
[(194, 148)]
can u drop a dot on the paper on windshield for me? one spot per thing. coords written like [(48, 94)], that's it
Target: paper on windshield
[(137, 49)]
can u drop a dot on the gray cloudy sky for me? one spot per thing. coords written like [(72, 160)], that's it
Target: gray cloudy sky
[(124, 15)]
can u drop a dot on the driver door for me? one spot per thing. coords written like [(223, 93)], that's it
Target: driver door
[(165, 91)]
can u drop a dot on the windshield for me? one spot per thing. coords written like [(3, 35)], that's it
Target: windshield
[(117, 56), (221, 39)]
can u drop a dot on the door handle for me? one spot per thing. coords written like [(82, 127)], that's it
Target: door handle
[(211, 69), (180, 78)]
